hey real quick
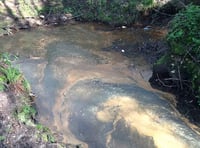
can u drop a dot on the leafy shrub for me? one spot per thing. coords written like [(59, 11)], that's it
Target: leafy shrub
[(10, 76), (45, 133), (184, 40), (53, 8), (115, 12), (8, 73), (25, 114)]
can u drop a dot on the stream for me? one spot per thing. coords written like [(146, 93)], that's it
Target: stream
[(89, 90)]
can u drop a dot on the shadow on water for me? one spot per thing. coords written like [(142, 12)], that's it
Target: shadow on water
[(121, 115), (92, 93), (88, 128)]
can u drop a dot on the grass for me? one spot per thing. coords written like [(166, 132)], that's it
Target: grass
[(10, 76), (12, 80), (2, 138), (26, 114), (46, 133), (113, 12)]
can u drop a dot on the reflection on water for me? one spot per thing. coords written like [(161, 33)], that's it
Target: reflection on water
[(93, 95)]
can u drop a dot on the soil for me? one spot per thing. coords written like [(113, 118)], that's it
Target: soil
[(14, 133), (187, 103)]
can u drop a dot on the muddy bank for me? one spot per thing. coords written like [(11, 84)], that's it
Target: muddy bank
[(186, 101), (152, 52), (19, 126), (25, 15), (162, 79), (14, 133), (20, 15)]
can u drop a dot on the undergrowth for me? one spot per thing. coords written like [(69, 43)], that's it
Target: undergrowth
[(12, 81), (112, 12), (183, 58)]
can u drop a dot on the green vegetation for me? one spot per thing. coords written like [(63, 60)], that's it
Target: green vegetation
[(8, 74), (2, 138), (46, 133), (10, 77), (27, 8), (184, 55), (53, 7), (113, 12), (12, 80), (25, 114)]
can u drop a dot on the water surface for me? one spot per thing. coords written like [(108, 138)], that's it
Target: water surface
[(92, 93)]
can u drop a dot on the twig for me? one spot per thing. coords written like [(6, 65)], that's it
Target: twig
[(49, 13), (188, 53), (193, 58), (77, 16), (180, 79), (183, 4), (6, 85), (175, 79), (156, 10), (170, 86)]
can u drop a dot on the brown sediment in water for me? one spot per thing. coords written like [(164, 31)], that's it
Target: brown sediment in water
[(146, 123), (110, 73), (114, 70), (110, 67)]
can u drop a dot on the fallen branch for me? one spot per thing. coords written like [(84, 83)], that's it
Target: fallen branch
[(166, 14), (180, 78), (175, 79), (170, 86)]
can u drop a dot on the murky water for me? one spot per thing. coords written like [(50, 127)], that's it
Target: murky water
[(92, 93)]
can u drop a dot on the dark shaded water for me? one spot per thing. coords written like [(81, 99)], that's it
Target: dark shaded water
[(92, 93)]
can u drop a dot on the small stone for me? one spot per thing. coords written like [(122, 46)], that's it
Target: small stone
[(122, 50), (173, 71), (63, 18), (42, 17), (147, 28), (68, 15), (3, 101)]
